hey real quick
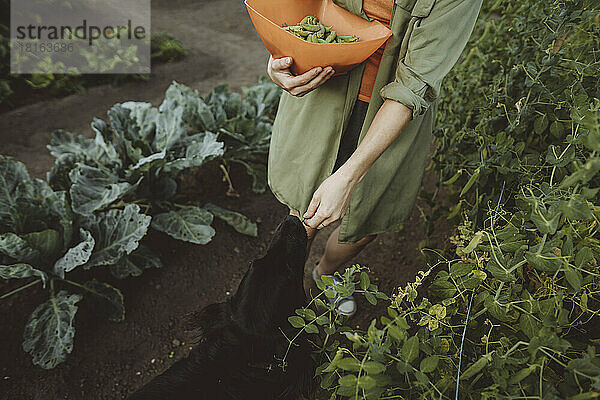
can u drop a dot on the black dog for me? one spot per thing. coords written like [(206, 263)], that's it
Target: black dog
[(241, 344)]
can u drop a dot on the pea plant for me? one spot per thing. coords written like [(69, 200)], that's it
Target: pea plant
[(512, 307)]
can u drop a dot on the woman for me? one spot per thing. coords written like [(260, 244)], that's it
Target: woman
[(354, 146)]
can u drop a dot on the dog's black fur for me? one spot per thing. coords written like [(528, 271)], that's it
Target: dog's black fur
[(241, 343)]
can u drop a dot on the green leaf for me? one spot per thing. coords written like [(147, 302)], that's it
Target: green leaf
[(95, 188), (66, 145), (583, 174), (540, 124), (583, 257), (239, 222), (117, 232), (49, 331), (195, 111), (459, 269), (188, 223), (499, 272), (296, 321), (442, 288), (106, 300), (75, 256), (546, 262), (348, 364), (327, 380), (556, 129), (20, 270), (311, 328), (135, 263), (529, 325), (373, 367), (347, 380), (16, 247), (57, 206), (495, 309), (585, 366), (365, 282), (429, 364), (545, 221), (14, 181), (366, 382), (370, 298), (170, 126), (141, 122), (410, 349), (48, 243), (205, 148), (574, 278)]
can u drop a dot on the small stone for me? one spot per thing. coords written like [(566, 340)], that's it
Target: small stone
[(176, 342), (138, 373), (153, 361), (228, 293), (7, 377), (258, 220)]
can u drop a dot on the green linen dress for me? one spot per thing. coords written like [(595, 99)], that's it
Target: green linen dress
[(428, 38)]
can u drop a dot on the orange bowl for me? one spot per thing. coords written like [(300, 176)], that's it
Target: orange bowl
[(268, 17)]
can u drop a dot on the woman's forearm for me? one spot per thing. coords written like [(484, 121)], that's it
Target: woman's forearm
[(387, 125)]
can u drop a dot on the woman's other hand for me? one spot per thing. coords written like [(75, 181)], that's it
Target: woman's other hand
[(296, 85), (330, 201)]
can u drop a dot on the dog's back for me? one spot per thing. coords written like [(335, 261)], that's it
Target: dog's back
[(240, 346)]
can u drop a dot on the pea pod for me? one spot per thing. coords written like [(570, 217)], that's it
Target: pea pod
[(313, 31), (520, 375), (476, 367), (312, 28), (331, 37), (347, 38), (470, 182), (321, 32), (454, 177)]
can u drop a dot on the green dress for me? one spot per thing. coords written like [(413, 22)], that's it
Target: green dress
[(428, 38)]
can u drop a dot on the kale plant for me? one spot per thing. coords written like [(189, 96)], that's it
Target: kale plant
[(41, 238)]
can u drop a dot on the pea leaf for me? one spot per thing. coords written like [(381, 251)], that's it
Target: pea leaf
[(410, 349), (429, 364)]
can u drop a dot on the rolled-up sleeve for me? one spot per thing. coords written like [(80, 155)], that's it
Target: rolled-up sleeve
[(434, 45)]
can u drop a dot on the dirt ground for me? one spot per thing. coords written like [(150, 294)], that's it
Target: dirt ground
[(111, 360)]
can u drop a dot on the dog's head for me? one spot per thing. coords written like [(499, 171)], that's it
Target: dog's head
[(273, 286)]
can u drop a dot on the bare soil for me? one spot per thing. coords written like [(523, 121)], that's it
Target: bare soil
[(111, 360)]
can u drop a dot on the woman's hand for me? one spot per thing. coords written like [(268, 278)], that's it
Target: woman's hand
[(279, 71), (330, 201)]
